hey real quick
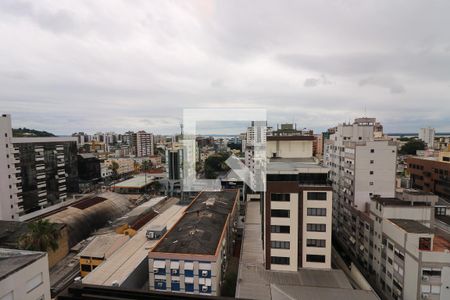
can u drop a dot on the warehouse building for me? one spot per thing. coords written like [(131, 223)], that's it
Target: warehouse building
[(192, 256)]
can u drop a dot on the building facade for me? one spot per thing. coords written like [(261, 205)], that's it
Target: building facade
[(297, 206), (24, 275), (192, 257), (143, 143), (427, 135), (363, 163), (430, 175)]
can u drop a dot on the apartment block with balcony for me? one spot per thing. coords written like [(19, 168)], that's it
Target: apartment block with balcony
[(363, 163)]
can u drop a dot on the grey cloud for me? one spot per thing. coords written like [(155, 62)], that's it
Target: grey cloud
[(390, 83), (313, 82)]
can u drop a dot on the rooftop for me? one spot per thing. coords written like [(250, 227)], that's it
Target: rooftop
[(58, 139), (411, 226), (200, 229), (102, 246), (290, 138), (137, 182), (386, 201), (12, 261), (293, 164)]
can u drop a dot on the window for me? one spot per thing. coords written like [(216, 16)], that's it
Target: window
[(315, 258), (34, 282), (371, 183), (85, 268), (279, 197), (371, 172), (279, 229), (372, 150), (315, 243), (317, 196), (279, 260), (316, 227), (390, 260), (431, 272), (280, 213), (371, 161), (425, 244), (321, 212), (280, 245)]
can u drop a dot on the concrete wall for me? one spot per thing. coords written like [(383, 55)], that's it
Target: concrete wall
[(289, 149)]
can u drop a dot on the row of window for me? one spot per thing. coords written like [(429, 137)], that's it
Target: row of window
[(280, 245), (281, 260), (285, 213), (160, 284), (316, 243), (317, 196)]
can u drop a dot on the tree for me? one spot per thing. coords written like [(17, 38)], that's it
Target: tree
[(41, 236), (114, 167), (216, 164), (146, 166), (411, 147)]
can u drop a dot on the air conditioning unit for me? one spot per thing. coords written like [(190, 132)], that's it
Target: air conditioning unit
[(425, 278), (155, 270), (425, 296), (204, 289), (204, 273), (174, 272)]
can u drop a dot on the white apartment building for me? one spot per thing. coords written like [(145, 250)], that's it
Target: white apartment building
[(125, 165), (297, 206), (9, 200), (24, 275), (427, 135), (362, 163), (410, 261)]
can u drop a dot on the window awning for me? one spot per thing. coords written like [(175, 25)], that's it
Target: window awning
[(160, 264)]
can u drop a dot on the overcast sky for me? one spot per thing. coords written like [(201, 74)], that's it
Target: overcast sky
[(113, 65)]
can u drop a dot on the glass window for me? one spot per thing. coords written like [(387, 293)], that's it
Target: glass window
[(280, 229), (424, 243), (315, 243), (321, 212), (280, 245), (317, 196), (279, 260), (280, 213), (316, 227), (315, 258), (279, 197)]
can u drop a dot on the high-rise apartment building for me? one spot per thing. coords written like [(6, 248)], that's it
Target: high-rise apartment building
[(427, 135), (297, 206), (143, 143), (35, 172), (9, 188), (363, 164)]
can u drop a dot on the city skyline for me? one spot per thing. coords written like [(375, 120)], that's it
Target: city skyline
[(138, 65)]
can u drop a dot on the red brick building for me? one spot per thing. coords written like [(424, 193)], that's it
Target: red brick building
[(430, 175)]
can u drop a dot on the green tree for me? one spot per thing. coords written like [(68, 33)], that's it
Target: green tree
[(146, 165), (41, 236), (114, 167), (216, 164), (411, 147)]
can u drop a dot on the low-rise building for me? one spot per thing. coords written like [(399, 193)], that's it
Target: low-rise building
[(24, 275), (124, 165), (192, 256)]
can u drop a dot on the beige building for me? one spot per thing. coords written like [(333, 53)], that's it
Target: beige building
[(126, 165), (24, 275)]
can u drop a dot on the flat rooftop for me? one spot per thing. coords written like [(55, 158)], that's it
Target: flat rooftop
[(411, 226), (399, 202), (137, 182), (293, 164), (200, 228), (255, 282), (12, 260), (102, 246)]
